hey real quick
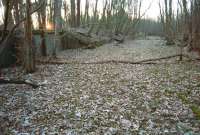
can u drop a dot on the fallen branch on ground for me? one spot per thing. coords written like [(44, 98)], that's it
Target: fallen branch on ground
[(148, 61), (16, 81)]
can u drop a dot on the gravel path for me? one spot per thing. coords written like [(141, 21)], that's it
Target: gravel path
[(107, 99)]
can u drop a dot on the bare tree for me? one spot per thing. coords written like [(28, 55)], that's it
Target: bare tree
[(43, 28), (51, 12), (73, 13), (86, 16), (66, 10), (103, 18), (194, 26), (94, 17), (29, 59), (16, 11), (78, 18), (58, 24), (166, 16), (7, 14)]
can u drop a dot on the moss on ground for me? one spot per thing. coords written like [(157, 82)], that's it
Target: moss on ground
[(196, 110), (183, 98)]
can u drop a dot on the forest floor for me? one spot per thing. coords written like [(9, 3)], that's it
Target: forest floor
[(107, 98)]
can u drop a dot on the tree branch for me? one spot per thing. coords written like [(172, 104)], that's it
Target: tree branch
[(16, 25), (147, 61), (16, 81)]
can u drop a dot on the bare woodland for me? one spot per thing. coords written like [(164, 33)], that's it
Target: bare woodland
[(99, 67), (118, 20)]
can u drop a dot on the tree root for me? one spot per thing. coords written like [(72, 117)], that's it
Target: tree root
[(16, 81), (147, 61)]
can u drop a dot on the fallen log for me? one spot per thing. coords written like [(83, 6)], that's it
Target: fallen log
[(147, 61), (16, 81), (90, 63)]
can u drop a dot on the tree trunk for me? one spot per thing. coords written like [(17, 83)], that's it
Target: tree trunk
[(135, 8), (73, 13), (103, 18), (57, 14), (196, 26), (43, 28), (166, 19), (94, 17), (86, 16), (66, 10), (78, 12), (21, 11), (51, 12), (29, 62), (16, 11), (6, 17)]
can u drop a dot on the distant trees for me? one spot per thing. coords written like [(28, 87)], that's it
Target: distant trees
[(166, 15), (185, 21), (149, 27), (194, 25), (189, 21), (86, 15), (117, 16), (114, 17), (94, 18)]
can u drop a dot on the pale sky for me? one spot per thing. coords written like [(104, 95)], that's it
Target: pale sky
[(154, 11), (1, 12)]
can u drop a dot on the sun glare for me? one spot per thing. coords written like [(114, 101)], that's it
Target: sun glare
[(49, 26)]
